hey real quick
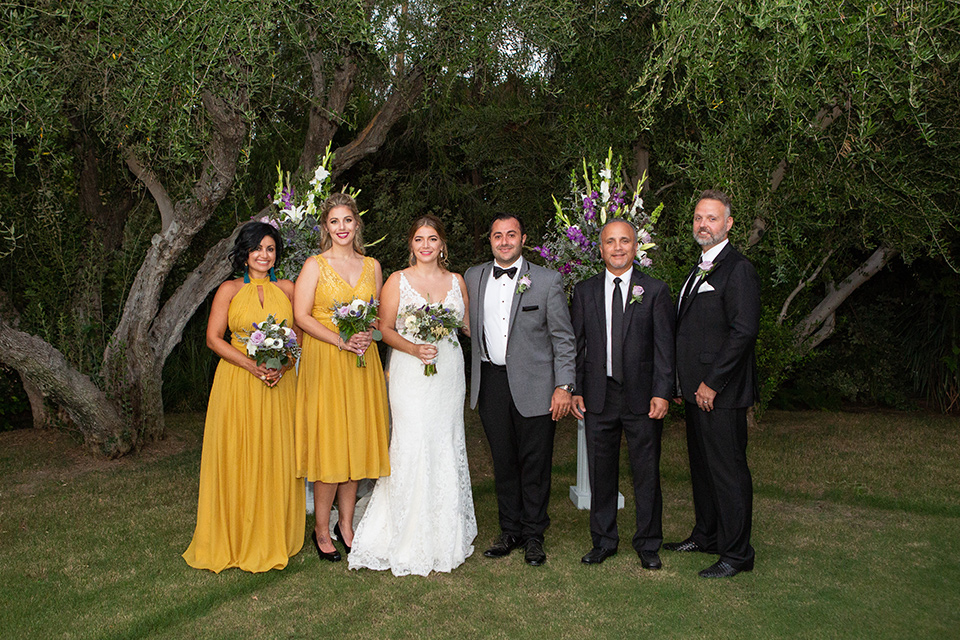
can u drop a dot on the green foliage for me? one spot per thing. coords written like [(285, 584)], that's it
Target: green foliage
[(14, 405)]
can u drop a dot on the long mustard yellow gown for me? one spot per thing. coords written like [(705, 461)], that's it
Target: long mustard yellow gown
[(251, 512), (342, 418)]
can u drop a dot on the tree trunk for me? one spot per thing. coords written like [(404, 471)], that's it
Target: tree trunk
[(133, 362), (104, 429)]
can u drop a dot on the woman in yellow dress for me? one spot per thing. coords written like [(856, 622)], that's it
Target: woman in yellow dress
[(341, 424), (251, 512)]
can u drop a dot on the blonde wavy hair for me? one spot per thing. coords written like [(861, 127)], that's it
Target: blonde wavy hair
[(340, 200)]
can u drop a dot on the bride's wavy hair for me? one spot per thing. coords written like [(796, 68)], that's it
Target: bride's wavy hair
[(432, 221), (340, 200)]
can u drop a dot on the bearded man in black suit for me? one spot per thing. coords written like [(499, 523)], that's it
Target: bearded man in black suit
[(623, 321), (718, 318)]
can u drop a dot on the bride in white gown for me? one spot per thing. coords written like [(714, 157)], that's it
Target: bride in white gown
[(420, 518)]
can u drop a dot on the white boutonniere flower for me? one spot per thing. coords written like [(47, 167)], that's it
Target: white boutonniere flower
[(636, 294), (524, 284)]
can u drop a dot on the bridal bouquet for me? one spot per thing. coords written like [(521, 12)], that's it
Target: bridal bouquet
[(271, 343), (356, 316), (597, 195), (430, 323)]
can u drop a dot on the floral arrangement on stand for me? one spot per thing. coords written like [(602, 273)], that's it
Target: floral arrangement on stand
[(298, 223), (596, 196)]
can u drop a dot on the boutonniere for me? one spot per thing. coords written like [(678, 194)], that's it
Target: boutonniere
[(636, 294), (524, 284), (705, 267)]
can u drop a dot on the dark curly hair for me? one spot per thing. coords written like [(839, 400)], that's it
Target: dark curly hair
[(249, 239)]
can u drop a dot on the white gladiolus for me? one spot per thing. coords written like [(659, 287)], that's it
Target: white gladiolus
[(319, 176)]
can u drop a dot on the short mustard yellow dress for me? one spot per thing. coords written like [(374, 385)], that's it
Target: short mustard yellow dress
[(251, 512), (342, 417)]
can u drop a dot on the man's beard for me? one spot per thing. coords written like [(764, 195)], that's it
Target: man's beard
[(712, 240)]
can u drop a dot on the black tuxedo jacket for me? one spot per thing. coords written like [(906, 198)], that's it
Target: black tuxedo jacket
[(648, 343), (717, 331)]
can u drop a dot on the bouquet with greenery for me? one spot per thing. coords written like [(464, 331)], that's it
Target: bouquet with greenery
[(271, 343), (354, 317), (596, 196), (429, 323)]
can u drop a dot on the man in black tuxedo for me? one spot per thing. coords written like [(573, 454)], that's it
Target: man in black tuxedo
[(718, 319), (623, 321)]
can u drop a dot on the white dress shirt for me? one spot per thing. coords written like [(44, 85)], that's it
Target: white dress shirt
[(608, 286), (497, 304), (710, 255)]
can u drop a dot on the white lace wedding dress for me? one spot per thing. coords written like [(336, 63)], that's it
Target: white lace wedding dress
[(420, 518)]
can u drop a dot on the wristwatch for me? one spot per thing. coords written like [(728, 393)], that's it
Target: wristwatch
[(569, 388)]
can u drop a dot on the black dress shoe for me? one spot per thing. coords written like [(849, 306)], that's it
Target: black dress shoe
[(502, 546), (721, 569), (650, 560), (598, 555), (332, 557), (336, 532), (686, 546), (534, 555)]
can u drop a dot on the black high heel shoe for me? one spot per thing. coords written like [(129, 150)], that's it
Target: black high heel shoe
[(332, 557), (336, 532)]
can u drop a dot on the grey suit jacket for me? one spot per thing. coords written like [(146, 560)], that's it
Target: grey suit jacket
[(541, 351)]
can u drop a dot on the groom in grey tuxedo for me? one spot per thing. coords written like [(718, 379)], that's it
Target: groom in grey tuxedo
[(522, 376)]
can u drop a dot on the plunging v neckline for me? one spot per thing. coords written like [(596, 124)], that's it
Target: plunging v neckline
[(342, 279)]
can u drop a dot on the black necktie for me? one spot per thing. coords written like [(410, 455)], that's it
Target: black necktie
[(498, 271), (687, 289), (616, 333)]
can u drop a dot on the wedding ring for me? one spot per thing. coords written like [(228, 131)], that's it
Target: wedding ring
[(262, 377)]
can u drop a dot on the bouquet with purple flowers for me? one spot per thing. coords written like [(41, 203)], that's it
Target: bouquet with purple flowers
[(271, 343), (429, 323), (356, 316)]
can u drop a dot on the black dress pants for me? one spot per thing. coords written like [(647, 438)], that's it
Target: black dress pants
[(603, 433), (522, 451), (722, 485)]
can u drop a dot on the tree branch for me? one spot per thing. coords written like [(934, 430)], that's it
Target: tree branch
[(150, 180), (374, 134), (807, 334), (800, 286)]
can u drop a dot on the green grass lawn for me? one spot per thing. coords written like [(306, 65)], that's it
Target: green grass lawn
[(856, 527)]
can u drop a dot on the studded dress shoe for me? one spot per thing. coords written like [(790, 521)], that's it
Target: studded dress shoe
[(721, 569), (597, 555), (650, 560), (534, 554), (502, 546), (687, 546)]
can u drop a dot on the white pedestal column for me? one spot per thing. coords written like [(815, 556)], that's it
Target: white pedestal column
[(580, 493)]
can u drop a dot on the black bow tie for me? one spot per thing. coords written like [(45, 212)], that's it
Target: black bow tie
[(498, 271)]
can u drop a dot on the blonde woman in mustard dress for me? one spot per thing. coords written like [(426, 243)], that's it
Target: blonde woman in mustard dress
[(251, 511), (341, 423)]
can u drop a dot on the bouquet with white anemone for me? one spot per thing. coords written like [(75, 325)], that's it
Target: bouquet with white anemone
[(429, 323), (271, 343), (356, 316)]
